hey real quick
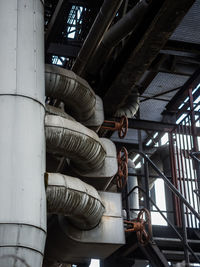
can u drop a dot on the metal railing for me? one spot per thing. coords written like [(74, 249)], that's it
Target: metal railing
[(148, 162)]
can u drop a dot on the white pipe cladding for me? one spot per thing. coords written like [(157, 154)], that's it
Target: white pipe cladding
[(22, 139), (74, 91), (74, 141), (72, 197)]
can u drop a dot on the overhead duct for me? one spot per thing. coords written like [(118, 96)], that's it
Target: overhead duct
[(115, 34), (74, 141), (99, 27), (75, 92), (22, 139), (130, 105), (75, 199)]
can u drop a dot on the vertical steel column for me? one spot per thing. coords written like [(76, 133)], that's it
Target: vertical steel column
[(22, 140), (174, 179), (194, 135)]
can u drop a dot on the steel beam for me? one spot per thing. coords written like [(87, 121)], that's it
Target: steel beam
[(63, 50), (146, 51)]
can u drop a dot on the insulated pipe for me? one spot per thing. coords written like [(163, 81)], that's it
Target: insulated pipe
[(130, 105), (133, 199), (75, 199), (74, 141), (99, 27), (51, 110), (75, 92), (116, 33), (22, 139)]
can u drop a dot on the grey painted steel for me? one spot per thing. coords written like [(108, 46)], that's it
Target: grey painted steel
[(22, 139), (99, 27), (74, 91), (74, 141), (115, 34), (51, 110), (66, 243), (101, 178), (75, 199), (133, 199)]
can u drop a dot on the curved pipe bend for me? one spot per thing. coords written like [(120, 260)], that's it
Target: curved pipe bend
[(75, 92), (75, 199), (130, 106), (74, 141)]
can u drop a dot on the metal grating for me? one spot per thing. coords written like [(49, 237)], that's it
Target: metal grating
[(164, 82), (188, 30)]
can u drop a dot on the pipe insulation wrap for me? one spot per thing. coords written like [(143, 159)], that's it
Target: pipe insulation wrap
[(74, 141), (74, 91), (130, 106), (51, 110), (75, 199)]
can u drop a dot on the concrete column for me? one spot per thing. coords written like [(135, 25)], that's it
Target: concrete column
[(22, 140)]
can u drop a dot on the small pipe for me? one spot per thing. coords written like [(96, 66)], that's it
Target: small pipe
[(99, 27)]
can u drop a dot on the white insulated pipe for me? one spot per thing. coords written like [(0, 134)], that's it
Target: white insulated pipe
[(74, 141), (22, 139), (134, 196), (71, 197)]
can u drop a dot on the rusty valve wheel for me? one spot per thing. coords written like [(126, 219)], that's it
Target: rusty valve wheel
[(139, 226), (144, 236), (120, 126), (122, 155), (122, 174), (122, 131)]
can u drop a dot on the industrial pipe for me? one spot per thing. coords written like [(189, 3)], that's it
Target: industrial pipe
[(74, 141), (75, 92), (133, 199), (130, 106), (75, 199), (51, 110), (22, 139), (99, 27), (115, 34)]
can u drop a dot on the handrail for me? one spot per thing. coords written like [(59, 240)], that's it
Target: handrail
[(193, 156), (169, 184), (167, 220)]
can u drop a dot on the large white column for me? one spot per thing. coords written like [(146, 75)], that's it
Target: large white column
[(22, 140)]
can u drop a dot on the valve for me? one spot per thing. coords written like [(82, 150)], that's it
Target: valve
[(122, 174), (139, 226), (121, 126)]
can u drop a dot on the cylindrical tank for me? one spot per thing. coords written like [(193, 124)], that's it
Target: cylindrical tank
[(22, 139)]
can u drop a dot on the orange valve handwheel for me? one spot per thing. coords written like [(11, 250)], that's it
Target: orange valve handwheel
[(122, 131)]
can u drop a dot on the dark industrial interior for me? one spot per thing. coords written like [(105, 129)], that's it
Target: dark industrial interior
[(100, 159), (142, 58)]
